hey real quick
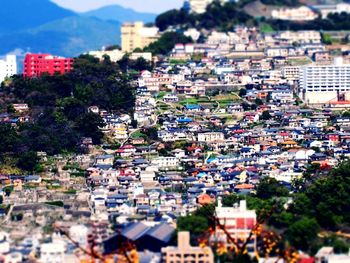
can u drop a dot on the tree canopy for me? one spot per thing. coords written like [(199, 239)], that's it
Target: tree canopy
[(167, 42), (59, 109)]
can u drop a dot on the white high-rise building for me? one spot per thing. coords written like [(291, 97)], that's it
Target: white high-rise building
[(326, 83), (8, 67)]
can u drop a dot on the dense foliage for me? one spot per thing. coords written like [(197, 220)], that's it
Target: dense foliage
[(90, 83), (327, 199), (59, 109), (336, 21), (281, 2), (224, 17), (218, 16), (167, 42), (320, 204)]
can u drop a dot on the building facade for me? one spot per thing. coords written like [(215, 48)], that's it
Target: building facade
[(291, 72), (302, 36), (136, 35), (199, 6), (8, 67), (185, 253), (211, 137), (302, 13), (325, 84), (35, 65), (238, 222)]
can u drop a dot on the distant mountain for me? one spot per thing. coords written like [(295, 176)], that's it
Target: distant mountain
[(18, 15), (119, 13), (42, 26), (69, 36)]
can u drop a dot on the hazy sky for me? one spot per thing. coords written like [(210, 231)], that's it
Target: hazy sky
[(153, 6)]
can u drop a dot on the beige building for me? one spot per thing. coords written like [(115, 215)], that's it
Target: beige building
[(136, 35), (303, 36), (200, 6), (185, 253), (291, 72), (302, 13), (115, 55)]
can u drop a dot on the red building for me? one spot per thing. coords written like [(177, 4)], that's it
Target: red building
[(37, 64), (238, 222)]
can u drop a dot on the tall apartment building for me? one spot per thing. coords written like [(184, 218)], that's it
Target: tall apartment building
[(325, 83), (8, 67), (36, 65), (185, 253), (238, 222), (136, 35)]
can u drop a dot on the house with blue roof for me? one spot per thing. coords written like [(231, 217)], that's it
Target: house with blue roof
[(193, 108)]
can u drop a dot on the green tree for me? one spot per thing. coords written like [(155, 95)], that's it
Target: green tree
[(197, 225), (230, 200), (242, 92), (167, 42), (302, 232), (326, 39), (10, 109), (270, 187), (266, 115), (8, 137), (258, 102), (88, 125), (28, 161), (152, 133)]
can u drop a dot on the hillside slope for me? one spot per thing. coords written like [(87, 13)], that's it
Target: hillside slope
[(121, 14), (16, 15), (69, 36)]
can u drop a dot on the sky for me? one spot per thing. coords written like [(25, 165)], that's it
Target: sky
[(152, 6)]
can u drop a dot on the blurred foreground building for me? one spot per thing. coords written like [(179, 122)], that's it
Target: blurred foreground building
[(238, 221), (185, 253)]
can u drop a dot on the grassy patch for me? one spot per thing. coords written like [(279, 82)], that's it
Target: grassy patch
[(266, 28), (70, 191), (138, 134), (189, 101), (298, 61), (161, 94), (177, 61)]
